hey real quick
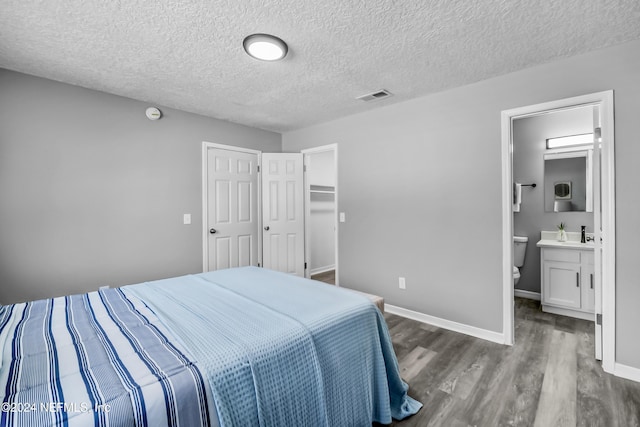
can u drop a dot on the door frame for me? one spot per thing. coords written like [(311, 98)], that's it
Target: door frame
[(605, 101), (205, 192), (307, 199)]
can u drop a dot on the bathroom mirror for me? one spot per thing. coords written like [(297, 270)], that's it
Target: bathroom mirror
[(568, 181)]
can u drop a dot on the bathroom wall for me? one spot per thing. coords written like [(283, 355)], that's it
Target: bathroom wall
[(529, 146)]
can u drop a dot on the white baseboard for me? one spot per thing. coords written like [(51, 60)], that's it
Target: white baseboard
[(322, 269), (627, 372), (569, 312), (446, 324), (527, 294)]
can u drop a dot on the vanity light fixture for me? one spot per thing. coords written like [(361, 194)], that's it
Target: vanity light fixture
[(570, 141), (265, 47)]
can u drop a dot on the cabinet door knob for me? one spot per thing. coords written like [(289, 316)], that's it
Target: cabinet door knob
[(213, 231)]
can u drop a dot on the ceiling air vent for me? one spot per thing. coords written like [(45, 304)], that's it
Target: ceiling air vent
[(375, 95)]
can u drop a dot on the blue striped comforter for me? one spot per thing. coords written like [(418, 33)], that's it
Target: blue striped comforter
[(238, 347), (95, 359)]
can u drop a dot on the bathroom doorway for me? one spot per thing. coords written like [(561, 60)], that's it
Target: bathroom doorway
[(599, 108), (536, 167)]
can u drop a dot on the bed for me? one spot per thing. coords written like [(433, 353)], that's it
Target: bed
[(237, 347)]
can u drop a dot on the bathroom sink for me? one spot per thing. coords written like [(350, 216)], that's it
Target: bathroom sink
[(549, 239), (568, 244)]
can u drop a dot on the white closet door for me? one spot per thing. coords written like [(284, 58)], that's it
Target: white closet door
[(283, 212), (232, 222)]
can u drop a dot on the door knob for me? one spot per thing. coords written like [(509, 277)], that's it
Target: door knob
[(213, 231), (266, 228)]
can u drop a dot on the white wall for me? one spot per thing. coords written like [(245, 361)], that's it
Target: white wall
[(420, 182), (321, 168), (93, 193), (321, 171), (322, 255)]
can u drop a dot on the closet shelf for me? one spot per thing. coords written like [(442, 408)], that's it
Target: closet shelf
[(322, 189)]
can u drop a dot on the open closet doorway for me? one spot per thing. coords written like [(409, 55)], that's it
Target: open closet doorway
[(321, 213), (571, 279)]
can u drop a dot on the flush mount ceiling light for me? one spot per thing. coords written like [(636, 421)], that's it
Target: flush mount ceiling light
[(265, 47)]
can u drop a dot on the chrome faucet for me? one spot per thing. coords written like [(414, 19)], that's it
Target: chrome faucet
[(583, 234)]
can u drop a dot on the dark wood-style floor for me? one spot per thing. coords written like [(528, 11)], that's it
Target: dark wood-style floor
[(327, 277), (548, 378)]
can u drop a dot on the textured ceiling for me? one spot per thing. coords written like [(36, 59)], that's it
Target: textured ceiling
[(188, 54)]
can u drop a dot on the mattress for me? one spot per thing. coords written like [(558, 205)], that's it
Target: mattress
[(241, 347)]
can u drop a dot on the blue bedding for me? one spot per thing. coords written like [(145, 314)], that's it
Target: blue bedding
[(237, 347), (95, 359)]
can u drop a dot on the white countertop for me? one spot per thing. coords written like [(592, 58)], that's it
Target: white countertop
[(565, 245), (549, 240)]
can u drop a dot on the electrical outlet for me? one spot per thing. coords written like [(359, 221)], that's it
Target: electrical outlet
[(186, 219), (401, 283)]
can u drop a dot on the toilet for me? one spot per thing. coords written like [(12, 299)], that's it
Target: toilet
[(519, 250)]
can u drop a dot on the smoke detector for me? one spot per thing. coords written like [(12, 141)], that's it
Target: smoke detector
[(380, 94), (153, 113)]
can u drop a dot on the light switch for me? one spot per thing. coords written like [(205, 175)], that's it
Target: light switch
[(342, 217), (187, 219)]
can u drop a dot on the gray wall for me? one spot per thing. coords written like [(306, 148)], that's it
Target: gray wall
[(529, 145), (420, 182), (92, 193)]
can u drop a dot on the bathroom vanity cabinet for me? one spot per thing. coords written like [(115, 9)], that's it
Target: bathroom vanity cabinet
[(568, 281)]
